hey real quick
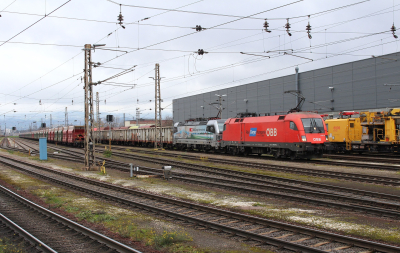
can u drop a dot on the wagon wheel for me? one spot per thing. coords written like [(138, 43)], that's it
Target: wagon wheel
[(276, 155)]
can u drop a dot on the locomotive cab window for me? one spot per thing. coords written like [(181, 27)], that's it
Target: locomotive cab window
[(210, 129), (351, 124), (292, 125), (313, 125), (221, 127)]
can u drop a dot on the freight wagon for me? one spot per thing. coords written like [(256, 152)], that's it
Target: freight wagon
[(71, 135), (137, 137)]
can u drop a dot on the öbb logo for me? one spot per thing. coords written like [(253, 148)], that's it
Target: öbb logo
[(271, 132), (316, 139)]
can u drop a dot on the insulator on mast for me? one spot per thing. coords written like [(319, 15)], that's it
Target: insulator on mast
[(393, 30), (266, 25), (287, 26)]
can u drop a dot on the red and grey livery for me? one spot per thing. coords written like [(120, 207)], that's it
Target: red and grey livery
[(296, 135)]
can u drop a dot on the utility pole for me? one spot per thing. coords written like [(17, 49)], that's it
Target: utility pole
[(89, 145), (158, 130), (219, 103), (66, 117), (98, 116), (51, 122), (124, 120), (137, 116)]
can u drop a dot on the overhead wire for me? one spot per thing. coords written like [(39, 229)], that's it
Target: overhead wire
[(8, 5), (235, 16), (185, 35), (35, 23), (338, 54), (155, 49)]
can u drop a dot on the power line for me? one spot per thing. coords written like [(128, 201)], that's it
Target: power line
[(8, 6), (80, 52), (182, 36), (44, 88), (35, 23), (234, 16)]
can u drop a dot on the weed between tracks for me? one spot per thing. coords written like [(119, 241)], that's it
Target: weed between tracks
[(35, 158), (158, 234), (107, 153), (7, 246), (138, 227)]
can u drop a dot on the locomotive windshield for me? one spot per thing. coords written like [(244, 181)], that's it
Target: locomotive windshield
[(313, 125), (221, 125)]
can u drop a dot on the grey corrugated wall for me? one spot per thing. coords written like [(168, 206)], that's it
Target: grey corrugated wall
[(357, 85)]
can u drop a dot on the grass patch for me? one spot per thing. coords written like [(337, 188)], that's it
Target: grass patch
[(127, 150), (37, 158), (6, 246), (107, 153), (138, 227), (10, 151), (168, 238), (95, 217)]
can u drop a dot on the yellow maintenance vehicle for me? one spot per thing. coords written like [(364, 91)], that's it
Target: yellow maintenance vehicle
[(371, 131)]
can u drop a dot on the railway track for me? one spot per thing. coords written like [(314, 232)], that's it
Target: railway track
[(278, 235), (374, 203), (379, 163), (378, 158), (20, 238), (356, 177), (59, 234), (289, 169)]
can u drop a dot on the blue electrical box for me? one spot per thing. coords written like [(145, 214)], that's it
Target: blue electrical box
[(43, 148)]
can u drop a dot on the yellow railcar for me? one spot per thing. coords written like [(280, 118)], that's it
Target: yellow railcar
[(372, 131)]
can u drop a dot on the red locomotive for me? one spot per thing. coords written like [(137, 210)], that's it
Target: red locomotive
[(295, 135)]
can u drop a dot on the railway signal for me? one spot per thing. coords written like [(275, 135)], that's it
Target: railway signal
[(109, 119)]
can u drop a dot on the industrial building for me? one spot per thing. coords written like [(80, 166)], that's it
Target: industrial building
[(372, 83)]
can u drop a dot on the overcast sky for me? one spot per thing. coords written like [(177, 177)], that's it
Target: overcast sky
[(45, 62)]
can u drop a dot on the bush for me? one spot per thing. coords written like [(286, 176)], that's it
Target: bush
[(170, 238), (107, 153)]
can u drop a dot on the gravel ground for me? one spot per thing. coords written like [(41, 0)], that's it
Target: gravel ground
[(308, 165), (326, 218), (202, 239)]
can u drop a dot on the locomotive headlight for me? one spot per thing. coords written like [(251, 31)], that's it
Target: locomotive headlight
[(326, 138), (303, 138)]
